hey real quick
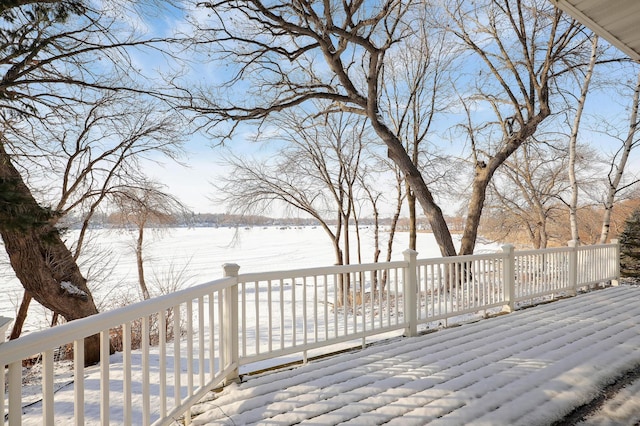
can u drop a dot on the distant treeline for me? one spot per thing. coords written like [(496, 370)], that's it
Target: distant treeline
[(235, 220)]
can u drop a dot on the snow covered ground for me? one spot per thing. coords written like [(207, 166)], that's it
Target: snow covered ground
[(190, 256), (532, 367)]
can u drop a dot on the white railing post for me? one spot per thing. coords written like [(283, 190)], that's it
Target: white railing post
[(4, 326), (15, 382), (616, 258), (409, 293), (230, 324), (509, 278), (573, 267)]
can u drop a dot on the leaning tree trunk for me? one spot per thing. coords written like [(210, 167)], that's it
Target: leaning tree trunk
[(21, 317), (41, 261), (397, 153)]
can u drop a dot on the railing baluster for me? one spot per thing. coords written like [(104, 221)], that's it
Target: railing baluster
[(346, 287), (47, 387), (442, 290), (243, 317), (282, 314), (146, 382), (104, 377), (326, 307), (78, 380), (15, 393), (354, 301), (189, 357), (305, 331), (177, 387), (315, 308), (294, 327), (212, 337), (256, 290), (162, 364), (270, 317), (396, 295), (384, 294), (126, 365), (201, 342), (335, 305)]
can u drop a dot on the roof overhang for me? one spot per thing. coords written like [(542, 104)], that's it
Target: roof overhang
[(617, 21)]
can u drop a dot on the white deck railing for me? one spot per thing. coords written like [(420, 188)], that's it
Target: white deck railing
[(247, 318)]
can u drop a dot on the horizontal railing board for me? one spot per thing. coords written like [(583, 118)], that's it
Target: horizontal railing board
[(320, 271)]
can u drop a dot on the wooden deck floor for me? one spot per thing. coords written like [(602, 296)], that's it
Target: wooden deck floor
[(530, 367)]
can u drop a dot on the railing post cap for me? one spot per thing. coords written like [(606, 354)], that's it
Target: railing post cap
[(572, 243), (410, 253), (508, 247), (231, 269)]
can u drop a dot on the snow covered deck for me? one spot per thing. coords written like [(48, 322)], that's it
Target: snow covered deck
[(530, 367)]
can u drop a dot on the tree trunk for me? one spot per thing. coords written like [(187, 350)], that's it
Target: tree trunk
[(626, 150), (139, 262), (484, 173), (397, 153), (476, 203), (345, 285), (21, 317), (573, 142), (41, 261), (392, 230)]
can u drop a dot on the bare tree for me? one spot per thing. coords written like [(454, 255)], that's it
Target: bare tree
[(415, 90), (573, 141), (287, 54), (526, 191), (93, 156), (522, 47), (54, 58), (619, 162), (144, 206), (318, 172)]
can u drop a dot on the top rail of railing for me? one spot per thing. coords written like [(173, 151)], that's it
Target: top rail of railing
[(40, 341), (323, 270)]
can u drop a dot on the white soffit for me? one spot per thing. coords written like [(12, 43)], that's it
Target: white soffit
[(617, 21)]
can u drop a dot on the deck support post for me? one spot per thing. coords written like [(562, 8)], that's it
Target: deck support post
[(4, 326), (509, 278), (616, 258), (410, 293), (573, 267), (230, 324)]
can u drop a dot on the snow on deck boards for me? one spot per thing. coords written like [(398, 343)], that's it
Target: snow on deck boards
[(530, 367)]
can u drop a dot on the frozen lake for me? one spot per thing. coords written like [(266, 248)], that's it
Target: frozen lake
[(188, 256)]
